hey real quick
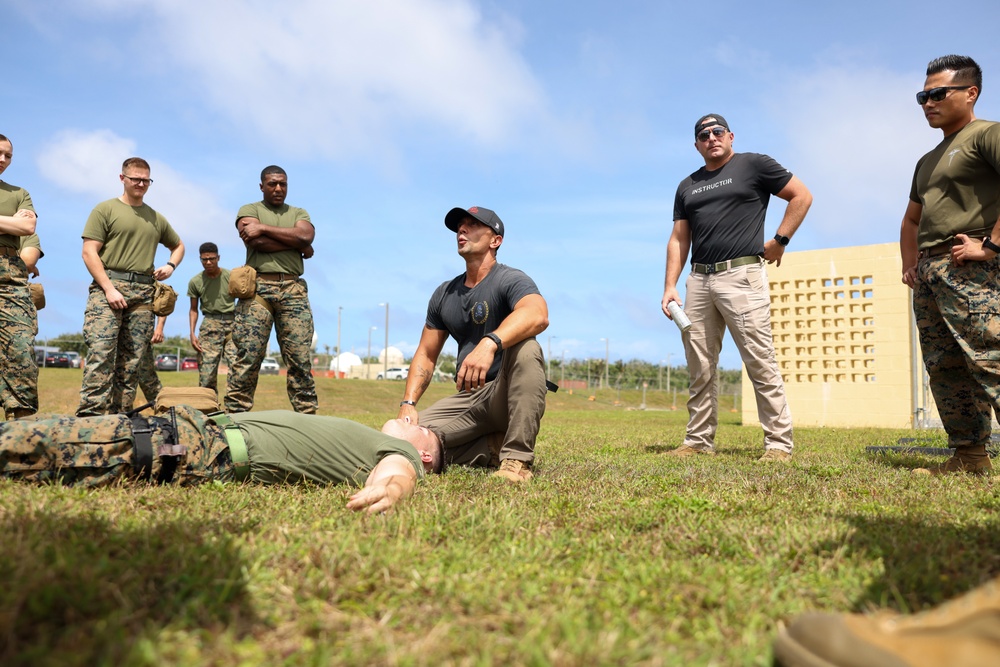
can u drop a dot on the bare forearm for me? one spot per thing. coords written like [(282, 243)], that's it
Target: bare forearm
[(96, 268), (420, 376), (524, 322), (795, 213), (17, 225)]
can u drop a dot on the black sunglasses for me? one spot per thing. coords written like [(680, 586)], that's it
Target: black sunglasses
[(717, 131), (936, 94)]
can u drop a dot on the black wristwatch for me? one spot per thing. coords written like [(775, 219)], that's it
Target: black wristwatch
[(782, 240), (990, 245), (496, 339), (171, 265)]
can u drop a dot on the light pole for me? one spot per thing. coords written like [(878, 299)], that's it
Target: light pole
[(340, 310), (668, 372), (385, 367), (607, 351), (548, 358), (562, 368), (368, 359), (660, 380)]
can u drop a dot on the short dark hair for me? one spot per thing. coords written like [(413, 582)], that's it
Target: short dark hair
[(3, 138), (208, 247), (273, 169), (965, 68)]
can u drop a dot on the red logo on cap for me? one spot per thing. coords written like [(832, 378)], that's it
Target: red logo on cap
[(474, 209)]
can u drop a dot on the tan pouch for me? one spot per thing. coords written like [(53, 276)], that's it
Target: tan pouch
[(199, 398), (37, 294), (164, 299), (243, 282)]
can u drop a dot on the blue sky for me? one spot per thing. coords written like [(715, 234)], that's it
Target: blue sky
[(572, 120)]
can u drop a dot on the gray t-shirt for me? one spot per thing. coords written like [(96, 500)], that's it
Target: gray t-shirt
[(725, 208), (468, 314)]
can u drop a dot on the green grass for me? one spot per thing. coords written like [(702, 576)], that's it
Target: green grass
[(613, 555)]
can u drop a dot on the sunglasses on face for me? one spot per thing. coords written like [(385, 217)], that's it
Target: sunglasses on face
[(936, 94), (717, 131)]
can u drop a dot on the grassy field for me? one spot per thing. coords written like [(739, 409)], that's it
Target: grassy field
[(613, 555)]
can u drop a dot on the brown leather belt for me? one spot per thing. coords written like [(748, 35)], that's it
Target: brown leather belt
[(277, 277), (939, 249), (719, 267), (7, 250)]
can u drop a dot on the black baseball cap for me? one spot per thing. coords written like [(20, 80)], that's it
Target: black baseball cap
[(711, 120), (483, 215)]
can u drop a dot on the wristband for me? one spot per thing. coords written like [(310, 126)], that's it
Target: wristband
[(990, 245), (496, 339), (402, 403), (172, 265), (782, 240)]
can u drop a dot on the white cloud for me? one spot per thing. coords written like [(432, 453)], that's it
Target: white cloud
[(337, 77), (88, 163), (855, 136)]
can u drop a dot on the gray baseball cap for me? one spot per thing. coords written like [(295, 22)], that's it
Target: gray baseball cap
[(483, 215)]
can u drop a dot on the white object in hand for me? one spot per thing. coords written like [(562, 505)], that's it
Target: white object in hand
[(679, 317)]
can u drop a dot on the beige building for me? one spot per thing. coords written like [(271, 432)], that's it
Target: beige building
[(845, 341)]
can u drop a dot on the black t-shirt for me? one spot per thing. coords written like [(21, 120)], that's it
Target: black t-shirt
[(468, 314), (725, 208)]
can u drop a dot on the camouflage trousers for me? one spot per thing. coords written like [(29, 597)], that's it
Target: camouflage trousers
[(98, 451), (216, 339), (18, 326), (116, 341), (957, 309), (147, 379), (293, 324)]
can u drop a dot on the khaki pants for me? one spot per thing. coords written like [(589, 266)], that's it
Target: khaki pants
[(737, 299), (501, 420)]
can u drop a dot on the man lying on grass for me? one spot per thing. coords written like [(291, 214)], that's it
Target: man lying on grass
[(187, 447)]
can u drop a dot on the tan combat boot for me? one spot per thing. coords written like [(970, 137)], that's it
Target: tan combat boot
[(972, 460), (514, 470), (965, 631), (18, 413), (688, 450)]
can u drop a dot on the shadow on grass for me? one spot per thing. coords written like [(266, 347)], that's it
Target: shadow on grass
[(925, 563), (82, 591)]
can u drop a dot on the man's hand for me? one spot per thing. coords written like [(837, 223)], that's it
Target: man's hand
[(250, 228), (969, 250), (408, 413), (194, 342), (475, 366), (773, 252), (115, 299), (910, 278), (377, 499), (163, 272), (157, 337), (308, 252), (670, 294)]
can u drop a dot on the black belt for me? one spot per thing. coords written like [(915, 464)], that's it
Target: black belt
[(277, 277), (131, 276), (219, 316), (719, 267)]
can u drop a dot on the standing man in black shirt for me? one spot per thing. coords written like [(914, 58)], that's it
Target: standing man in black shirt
[(719, 210), (494, 312)]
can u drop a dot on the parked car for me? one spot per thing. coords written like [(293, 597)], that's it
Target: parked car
[(269, 366), (74, 359), (58, 360), (189, 364), (393, 374), (166, 362)]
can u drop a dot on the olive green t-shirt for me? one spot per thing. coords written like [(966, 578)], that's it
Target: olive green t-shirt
[(129, 234), (286, 261), (31, 241), (288, 447), (213, 293), (958, 184), (12, 200)]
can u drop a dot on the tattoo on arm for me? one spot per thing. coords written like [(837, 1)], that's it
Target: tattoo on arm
[(425, 379)]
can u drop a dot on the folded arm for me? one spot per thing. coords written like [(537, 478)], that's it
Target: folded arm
[(392, 480)]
